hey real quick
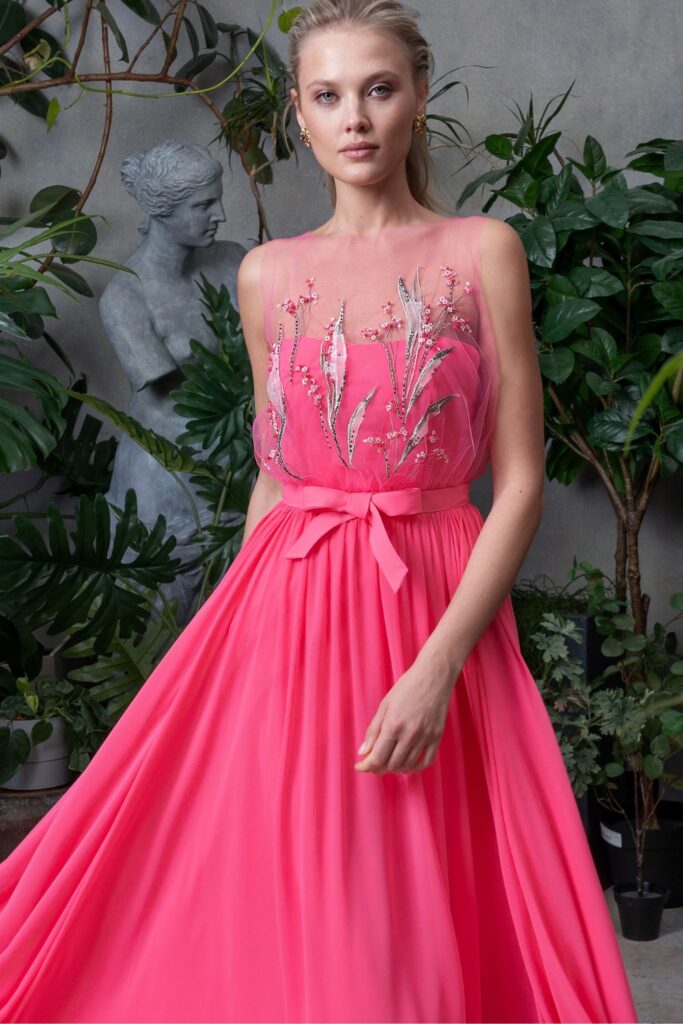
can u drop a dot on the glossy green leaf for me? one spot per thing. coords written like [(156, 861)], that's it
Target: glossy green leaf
[(562, 319)]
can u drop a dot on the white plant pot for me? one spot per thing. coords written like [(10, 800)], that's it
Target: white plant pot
[(47, 764)]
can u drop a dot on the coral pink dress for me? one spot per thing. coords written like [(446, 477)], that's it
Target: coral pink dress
[(220, 859)]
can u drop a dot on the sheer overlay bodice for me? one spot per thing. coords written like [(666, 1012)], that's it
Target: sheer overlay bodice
[(382, 361)]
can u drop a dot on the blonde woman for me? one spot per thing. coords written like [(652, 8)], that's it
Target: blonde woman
[(339, 797)]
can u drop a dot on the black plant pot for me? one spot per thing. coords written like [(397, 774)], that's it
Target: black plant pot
[(640, 915), (662, 858)]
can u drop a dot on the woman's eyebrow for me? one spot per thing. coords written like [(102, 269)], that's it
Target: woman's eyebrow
[(387, 73)]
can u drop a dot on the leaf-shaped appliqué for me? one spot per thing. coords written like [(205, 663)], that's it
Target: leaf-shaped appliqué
[(355, 422), (274, 386), (420, 428), (334, 367), (426, 375)]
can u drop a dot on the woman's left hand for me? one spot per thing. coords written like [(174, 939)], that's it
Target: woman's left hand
[(410, 720)]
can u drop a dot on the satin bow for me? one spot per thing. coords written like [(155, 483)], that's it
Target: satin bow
[(337, 506)]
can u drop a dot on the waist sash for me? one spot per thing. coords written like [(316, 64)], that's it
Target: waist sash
[(337, 506)]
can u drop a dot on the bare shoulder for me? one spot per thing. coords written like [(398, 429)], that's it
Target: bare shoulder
[(502, 262), (250, 299), (499, 243), (506, 289), (249, 270)]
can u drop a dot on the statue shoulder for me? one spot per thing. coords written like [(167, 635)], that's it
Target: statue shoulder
[(123, 292)]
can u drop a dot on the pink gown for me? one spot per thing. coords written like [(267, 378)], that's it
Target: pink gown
[(220, 859)]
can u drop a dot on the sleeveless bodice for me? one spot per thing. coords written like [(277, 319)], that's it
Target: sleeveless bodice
[(381, 371)]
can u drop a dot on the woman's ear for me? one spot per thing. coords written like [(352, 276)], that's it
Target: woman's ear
[(295, 100)]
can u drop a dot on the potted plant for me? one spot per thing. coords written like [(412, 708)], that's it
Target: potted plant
[(76, 571), (49, 729), (640, 717), (557, 655)]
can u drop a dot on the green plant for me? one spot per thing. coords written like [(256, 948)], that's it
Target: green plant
[(568, 697), (86, 721), (100, 589), (606, 271), (642, 716), (27, 437), (532, 598), (35, 64), (635, 702)]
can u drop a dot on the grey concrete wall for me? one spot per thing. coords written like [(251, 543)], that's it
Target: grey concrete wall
[(626, 58)]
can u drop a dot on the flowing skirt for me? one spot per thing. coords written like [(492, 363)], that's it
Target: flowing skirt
[(220, 859)]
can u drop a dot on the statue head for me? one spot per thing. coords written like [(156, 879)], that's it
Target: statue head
[(178, 185)]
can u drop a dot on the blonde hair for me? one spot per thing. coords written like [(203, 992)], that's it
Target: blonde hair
[(392, 19)]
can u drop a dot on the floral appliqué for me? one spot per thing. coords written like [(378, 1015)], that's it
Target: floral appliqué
[(423, 359)]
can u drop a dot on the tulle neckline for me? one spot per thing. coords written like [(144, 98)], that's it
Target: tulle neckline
[(398, 228)]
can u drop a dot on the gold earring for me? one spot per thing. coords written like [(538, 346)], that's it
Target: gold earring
[(305, 136), (420, 123)]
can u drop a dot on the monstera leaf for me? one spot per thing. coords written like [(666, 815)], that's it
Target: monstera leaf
[(86, 582), (115, 677)]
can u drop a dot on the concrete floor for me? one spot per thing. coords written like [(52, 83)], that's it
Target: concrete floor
[(655, 968)]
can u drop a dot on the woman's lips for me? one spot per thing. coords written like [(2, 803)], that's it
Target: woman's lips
[(358, 153)]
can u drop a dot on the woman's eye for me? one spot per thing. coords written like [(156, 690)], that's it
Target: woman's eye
[(328, 92)]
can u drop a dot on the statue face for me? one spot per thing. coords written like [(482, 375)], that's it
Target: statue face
[(195, 219)]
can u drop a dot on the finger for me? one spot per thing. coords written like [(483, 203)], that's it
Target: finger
[(413, 757), (381, 751), (372, 731), (399, 756), (429, 755)]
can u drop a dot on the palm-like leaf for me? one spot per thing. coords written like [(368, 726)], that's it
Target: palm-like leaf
[(115, 677), (23, 438), (85, 582)]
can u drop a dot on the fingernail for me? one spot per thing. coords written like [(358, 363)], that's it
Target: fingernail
[(362, 746)]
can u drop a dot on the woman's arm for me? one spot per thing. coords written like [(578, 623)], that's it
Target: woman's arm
[(517, 456), (267, 491), (406, 730)]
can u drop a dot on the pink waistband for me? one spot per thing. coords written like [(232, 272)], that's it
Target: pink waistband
[(337, 506)]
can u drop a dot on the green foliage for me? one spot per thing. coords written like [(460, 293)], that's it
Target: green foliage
[(606, 269), (637, 702), (86, 724), (97, 587), (605, 263), (569, 700), (84, 582), (28, 436)]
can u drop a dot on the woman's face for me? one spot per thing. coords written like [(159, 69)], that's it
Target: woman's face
[(357, 85)]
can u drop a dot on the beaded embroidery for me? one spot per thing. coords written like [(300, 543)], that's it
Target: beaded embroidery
[(423, 359)]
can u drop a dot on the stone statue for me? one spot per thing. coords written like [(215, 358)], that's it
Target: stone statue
[(150, 319)]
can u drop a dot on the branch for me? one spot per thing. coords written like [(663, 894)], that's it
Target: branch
[(647, 488), (81, 38), (145, 43), (109, 114), (174, 36), (18, 36), (589, 454)]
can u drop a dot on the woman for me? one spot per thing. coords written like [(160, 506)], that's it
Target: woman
[(227, 855)]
